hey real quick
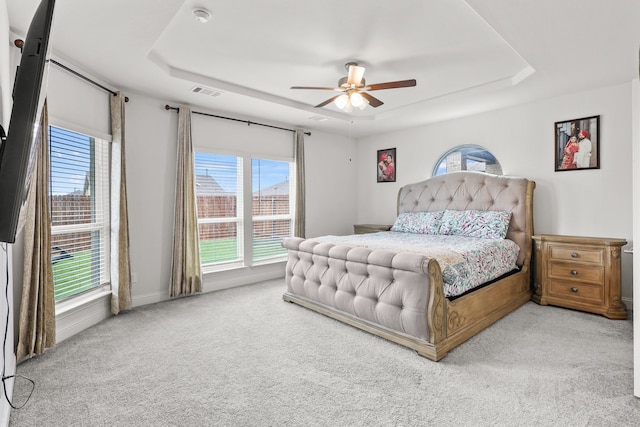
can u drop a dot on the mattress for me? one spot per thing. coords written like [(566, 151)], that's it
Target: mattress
[(466, 262)]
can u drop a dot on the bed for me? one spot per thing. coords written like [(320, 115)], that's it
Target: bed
[(400, 294)]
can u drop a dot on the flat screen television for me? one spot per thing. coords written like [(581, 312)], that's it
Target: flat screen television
[(18, 150)]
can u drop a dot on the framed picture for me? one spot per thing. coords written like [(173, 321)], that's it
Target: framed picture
[(386, 165), (577, 144)]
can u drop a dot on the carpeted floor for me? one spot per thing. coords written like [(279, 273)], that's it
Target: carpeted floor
[(244, 357)]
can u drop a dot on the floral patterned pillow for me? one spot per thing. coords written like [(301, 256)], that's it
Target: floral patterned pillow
[(418, 222), (483, 224)]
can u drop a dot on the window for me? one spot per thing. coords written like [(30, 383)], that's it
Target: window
[(272, 207), (467, 157), (79, 205), (221, 196)]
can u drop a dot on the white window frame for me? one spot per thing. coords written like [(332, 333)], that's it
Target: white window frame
[(238, 219), (289, 216), (245, 227)]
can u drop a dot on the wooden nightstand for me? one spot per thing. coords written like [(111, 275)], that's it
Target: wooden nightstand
[(582, 273), (370, 228)]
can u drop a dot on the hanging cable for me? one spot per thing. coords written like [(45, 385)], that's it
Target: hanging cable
[(4, 343)]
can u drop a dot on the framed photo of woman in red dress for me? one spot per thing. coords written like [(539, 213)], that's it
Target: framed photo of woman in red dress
[(386, 165), (577, 144)]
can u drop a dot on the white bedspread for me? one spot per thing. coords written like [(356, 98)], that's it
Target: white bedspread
[(466, 262)]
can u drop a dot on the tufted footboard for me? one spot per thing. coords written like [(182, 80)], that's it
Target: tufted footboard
[(392, 295)]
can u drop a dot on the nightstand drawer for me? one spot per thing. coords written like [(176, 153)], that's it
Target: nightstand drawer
[(576, 291), (571, 253), (579, 272)]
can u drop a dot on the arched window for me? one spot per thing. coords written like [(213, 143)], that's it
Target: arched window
[(468, 157)]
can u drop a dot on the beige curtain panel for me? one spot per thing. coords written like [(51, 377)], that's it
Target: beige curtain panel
[(37, 324), (300, 215), (186, 276), (120, 258)]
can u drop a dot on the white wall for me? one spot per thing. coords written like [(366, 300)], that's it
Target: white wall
[(331, 166), (151, 134), (6, 84), (582, 202)]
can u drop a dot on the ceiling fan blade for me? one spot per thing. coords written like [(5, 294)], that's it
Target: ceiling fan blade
[(391, 85), (373, 101), (355, 75), (314, 87), (328, 101)]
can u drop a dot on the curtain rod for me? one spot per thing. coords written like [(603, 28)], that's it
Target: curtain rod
[(75, 73), (169, 107), (20, 43)]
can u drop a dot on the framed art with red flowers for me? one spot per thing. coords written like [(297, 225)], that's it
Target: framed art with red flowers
[(386, 165), (577, 144)]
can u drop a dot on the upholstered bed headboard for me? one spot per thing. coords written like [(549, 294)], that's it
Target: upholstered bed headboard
[(477, 191)]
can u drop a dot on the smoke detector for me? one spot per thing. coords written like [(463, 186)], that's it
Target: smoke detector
[(201, 15)]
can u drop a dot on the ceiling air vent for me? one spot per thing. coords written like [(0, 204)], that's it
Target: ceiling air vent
[(318, 118), (207, 91)]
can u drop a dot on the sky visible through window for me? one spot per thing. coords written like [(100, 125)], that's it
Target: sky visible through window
[(70, 160), (265, 173)]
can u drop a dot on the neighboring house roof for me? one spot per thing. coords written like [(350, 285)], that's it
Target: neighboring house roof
[(207, 186), (279, 189)]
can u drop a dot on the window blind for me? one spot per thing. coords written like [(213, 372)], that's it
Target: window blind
[(219, 193), (272, 207), (79, 206)]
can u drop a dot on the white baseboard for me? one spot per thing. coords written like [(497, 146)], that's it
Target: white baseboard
[(5, 414), (140, 300), (216, 281), (219, 280), (81, 317)]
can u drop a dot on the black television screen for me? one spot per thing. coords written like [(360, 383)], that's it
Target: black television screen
[(18, 151)]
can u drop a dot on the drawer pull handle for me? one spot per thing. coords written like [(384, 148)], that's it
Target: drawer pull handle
[(574, 255), (574, 273), (574, 290)]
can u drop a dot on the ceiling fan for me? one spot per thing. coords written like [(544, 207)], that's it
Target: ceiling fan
[(355, 90)]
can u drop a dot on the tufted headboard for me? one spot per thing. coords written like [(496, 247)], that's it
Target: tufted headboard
[(477, 191)]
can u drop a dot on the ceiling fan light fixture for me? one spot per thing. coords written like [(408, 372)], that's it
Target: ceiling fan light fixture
[(364, 104), (341, 101), (356, 99)]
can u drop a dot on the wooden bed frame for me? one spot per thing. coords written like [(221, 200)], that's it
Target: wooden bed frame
[(400, 297)]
